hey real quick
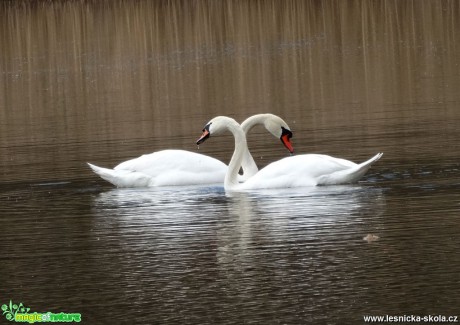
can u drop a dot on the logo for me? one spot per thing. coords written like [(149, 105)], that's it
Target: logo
[(20, 313)]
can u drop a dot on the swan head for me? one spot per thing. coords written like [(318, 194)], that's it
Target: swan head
[(216, 126), (278, 128)]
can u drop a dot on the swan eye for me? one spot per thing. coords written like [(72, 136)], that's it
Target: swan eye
[(206, 128)]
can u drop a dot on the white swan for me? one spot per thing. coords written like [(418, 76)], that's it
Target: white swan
[(295, 171), (181, 167)]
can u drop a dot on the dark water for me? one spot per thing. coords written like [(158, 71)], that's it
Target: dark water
[(104, 81)]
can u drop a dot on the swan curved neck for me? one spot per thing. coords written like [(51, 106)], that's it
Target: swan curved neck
[(231, 178), (253, 120), (248, 164)]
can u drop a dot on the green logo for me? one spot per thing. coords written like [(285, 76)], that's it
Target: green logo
[(12, 310), (20, 313)]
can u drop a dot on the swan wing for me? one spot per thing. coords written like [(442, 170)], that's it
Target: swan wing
[(308, 170), (350, 175), (167, 163), (295, 171), (122, 178), (165, 168)]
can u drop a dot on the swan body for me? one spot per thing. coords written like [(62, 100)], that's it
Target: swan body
[(308, 170), (182, 167), (164, 168), (295, 171)]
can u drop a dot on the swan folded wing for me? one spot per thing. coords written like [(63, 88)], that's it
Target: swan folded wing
[(128, 178), (167, 163), (184, 178), (122, 178), (152, 161), (308, 170), (287, 172), (278, 181), (349, 175), (140, 163)]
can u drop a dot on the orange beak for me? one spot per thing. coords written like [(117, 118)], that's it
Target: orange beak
[(286, 140), (203, 137)]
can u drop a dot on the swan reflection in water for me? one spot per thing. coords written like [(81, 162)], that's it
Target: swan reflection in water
[(233, 221), (208, 244)]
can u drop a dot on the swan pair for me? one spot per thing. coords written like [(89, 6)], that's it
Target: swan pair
[(294, 171), (181, 167)]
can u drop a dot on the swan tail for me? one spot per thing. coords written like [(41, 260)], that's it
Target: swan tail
[(122, 178), (351, 175), (369, 162)]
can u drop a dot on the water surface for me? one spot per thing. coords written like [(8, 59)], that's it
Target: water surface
[(105, 81)]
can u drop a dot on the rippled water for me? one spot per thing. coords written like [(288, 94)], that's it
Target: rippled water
[(198, 255), (107, 81)]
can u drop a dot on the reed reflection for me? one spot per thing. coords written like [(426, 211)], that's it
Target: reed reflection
[(88, 75)]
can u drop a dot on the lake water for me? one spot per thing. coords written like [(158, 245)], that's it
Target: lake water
[(105, 81)]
